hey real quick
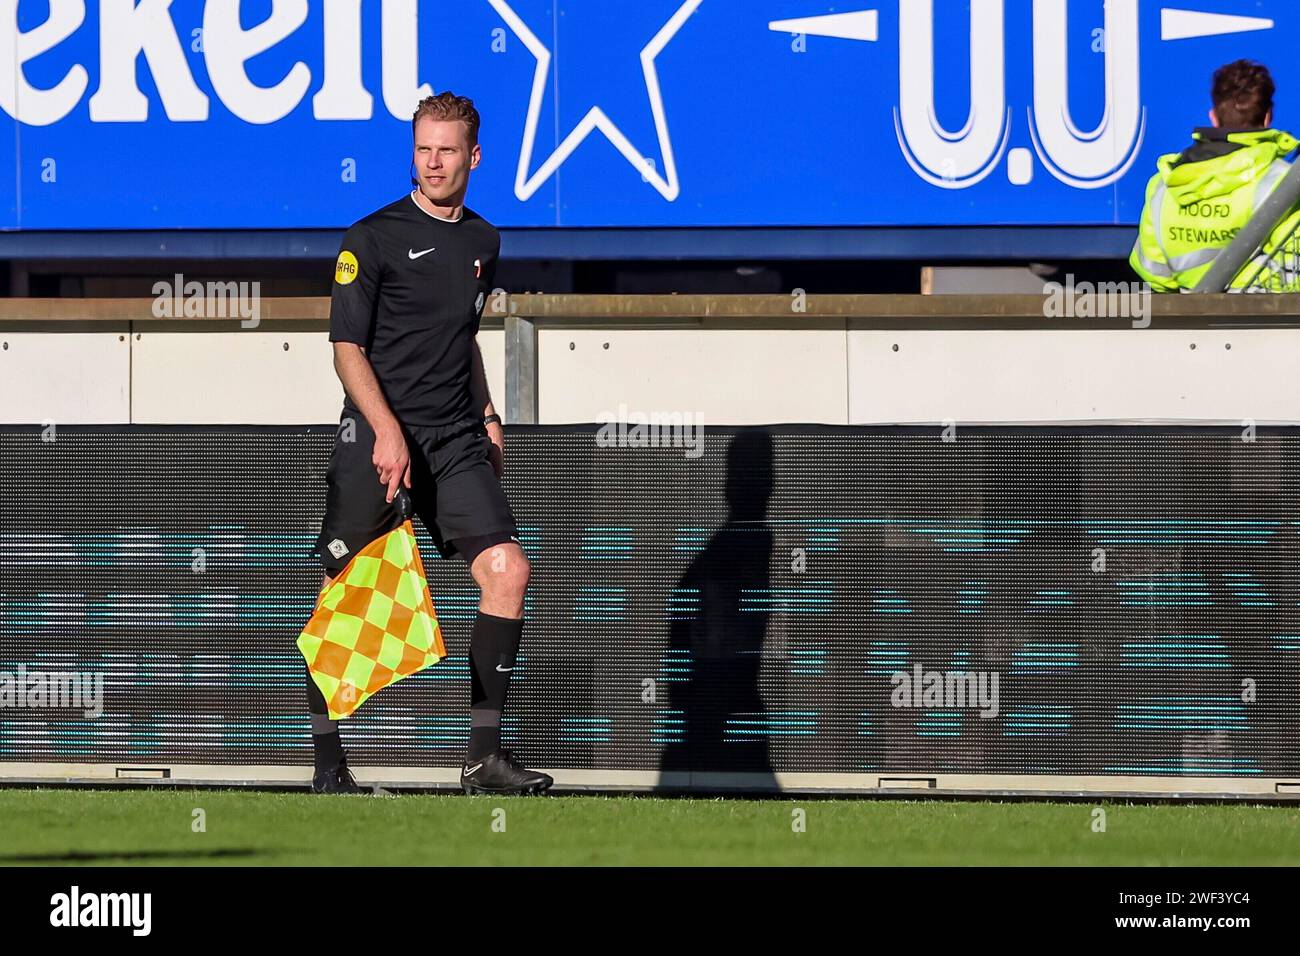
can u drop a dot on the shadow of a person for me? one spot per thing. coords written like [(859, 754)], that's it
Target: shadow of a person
[(720, 705)]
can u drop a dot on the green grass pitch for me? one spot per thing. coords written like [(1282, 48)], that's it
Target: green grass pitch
[(142, 827)]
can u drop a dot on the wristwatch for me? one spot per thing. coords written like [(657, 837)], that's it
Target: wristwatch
[(492, 418)]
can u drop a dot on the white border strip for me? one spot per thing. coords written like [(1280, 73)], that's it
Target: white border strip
[(868, 783)]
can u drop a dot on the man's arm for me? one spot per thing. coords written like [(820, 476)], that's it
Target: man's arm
[(481, 398), (357, 278), (391, 457)]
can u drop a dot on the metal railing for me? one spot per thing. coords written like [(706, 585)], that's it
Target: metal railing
[(1272, 274)]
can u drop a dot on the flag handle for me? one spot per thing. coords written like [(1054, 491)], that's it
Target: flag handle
[(402, 500)]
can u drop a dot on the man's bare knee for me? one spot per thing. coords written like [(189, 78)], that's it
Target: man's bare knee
[(502, 573)]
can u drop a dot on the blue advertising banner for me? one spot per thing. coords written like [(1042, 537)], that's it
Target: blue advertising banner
[(290, 114)]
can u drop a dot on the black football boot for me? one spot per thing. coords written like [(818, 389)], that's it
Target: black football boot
[(337, 779), (501, 773)]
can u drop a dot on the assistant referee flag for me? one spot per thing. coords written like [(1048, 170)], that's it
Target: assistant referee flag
[(373, 625)]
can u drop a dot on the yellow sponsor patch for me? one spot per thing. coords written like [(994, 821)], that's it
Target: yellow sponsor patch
[(345, 270)]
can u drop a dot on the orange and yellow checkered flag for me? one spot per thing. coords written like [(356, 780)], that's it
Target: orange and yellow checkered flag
[(373, 625)]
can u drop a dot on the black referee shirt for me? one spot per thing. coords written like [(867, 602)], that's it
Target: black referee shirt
[(411, 287)]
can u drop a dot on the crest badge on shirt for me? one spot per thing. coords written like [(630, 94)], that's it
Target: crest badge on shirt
[(345, 269)]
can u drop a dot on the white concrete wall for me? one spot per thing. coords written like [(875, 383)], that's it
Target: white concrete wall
[(186, 377), (1068, 375), (197, 378), (241, 377), (65, 378), (832, 374), (729, 377)]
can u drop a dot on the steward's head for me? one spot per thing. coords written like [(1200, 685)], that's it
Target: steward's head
[(1242, 96)]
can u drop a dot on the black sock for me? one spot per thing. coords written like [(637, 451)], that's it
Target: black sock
[(325, 740), (493, 644)]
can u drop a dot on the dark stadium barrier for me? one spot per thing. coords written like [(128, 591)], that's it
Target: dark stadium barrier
[(999, 608)]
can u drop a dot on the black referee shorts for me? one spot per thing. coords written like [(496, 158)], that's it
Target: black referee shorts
[(454, 490)]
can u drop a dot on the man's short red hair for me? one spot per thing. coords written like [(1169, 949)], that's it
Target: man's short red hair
[(449, 106)]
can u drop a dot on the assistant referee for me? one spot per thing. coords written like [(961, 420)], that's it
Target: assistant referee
[(409, 289)]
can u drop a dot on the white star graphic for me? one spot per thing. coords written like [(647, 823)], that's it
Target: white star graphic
[(596, 118)]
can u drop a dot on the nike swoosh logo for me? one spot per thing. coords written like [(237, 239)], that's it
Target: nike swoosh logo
[(504, 670), (470, 770), (415, 255)]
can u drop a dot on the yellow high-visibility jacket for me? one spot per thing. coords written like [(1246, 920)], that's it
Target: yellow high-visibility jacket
[(1202, 197)]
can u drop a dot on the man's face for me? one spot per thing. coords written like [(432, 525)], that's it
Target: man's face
[(443, 159)]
